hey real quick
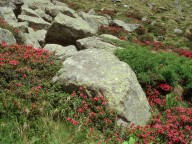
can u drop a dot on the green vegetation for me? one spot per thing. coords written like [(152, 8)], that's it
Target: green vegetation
[(151, 66)]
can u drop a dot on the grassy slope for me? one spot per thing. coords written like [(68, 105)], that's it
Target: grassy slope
[(141, 7)]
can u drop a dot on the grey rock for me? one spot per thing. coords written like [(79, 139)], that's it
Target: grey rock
[(21, 26), (29, 40), (29, 12), (103, 74), (95, 21), (43, 15), (128, 27), (34, 22), (66, 30), (7, 36), (8, 15), (91, 12), (55, 10), (39, 35), (62, 52), (108, 36), (95, 43), (178, 31), (38, 4)]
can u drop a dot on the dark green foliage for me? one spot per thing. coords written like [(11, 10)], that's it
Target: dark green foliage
[(153, 66)]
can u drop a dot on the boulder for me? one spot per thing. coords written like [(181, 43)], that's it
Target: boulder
[(29, 12), (30, 40), (8, 15), (66, 30), (35, 4), (95, 21), (21, 26), (34, 22), (108, 36), (43, 15), (56, 9), (7, 36), (102, 73), (128, 27), (96, 43), (39, 35), (13, 4), (62, 52)]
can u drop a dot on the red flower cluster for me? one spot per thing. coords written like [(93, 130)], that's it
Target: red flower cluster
[(114, 30), (165, 87)]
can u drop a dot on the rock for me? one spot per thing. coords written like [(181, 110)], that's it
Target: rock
[(126, 26), (95, 21), (29, 12), (178, 31), (13, 4), (8, 15), (30, 40), (7, 36), (39, 35), (91, 12), (66, 30), (108, 36), (43, 15), (37, 4), (55, 10), (21, 26), (94, 43), (34, 22), (62, 52), (58, 3), (102, 73)]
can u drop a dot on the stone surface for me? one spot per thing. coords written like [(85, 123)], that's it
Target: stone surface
[(56, 9), (21, 26), (29, 12), (66, 30), (7, 36), (39, 35), (35, 4), (128, 27), (30, 40), (102, 73), (34, 22), (108, 36), (178, 31), (94, 43), (8, 15), (95, 21), (43, 15), (62, 52)]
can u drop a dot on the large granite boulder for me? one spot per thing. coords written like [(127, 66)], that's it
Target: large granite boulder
[(7, 36), (35, 22), (66, 30), (102, 73)]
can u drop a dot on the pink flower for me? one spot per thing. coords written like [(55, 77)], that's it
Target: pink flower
[(14, 62), (165, 87)]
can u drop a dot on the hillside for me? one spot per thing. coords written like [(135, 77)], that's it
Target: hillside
[(95, 72)]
